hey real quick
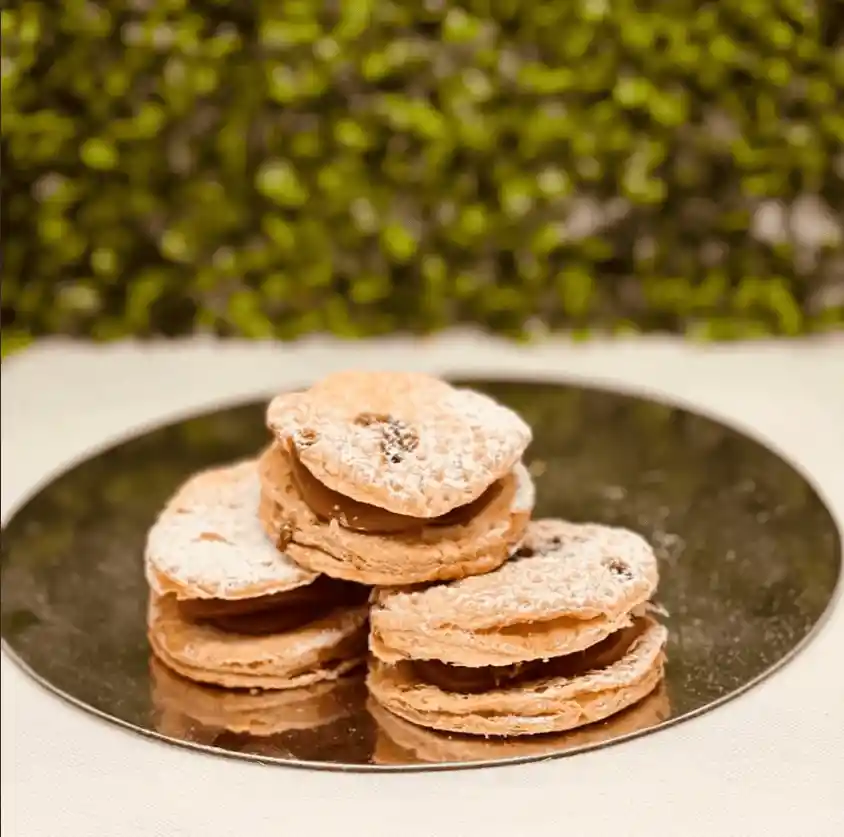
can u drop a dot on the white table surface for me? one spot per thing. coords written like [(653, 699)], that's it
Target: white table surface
[(770, 763)]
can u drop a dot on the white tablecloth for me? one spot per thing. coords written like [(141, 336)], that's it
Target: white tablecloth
[(770, 763)]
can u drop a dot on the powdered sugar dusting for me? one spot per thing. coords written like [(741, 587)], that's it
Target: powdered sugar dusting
[(209, 539), (462, 440), (561, 569)]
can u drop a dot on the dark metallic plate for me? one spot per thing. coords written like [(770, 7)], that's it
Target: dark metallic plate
[(750, 561)]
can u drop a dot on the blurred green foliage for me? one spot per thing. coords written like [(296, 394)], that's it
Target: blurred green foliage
[(274, 168)]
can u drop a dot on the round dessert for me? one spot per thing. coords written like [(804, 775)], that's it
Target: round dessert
[(329, 533), (404, 442), (563, 694), (555, 639), (228, 608), (567, 587)]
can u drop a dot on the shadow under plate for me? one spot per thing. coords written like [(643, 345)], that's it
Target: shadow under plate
[(749, 556)]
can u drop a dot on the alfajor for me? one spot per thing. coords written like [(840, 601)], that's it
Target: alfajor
[(228, 608), (555, 639), (394, 479)]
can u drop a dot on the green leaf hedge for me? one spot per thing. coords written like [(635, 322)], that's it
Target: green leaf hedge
[(273, 168)]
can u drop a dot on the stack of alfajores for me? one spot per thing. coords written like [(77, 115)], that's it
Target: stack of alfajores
[(388, 523)]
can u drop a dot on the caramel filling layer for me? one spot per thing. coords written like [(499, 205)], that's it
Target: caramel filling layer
[(451, 678), (328, 504), (278, 612)]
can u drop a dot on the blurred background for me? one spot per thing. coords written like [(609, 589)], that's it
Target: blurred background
[(269, 169)]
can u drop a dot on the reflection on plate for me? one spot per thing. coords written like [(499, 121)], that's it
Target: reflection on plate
[(400, 742), (300, 723), (288, 723)]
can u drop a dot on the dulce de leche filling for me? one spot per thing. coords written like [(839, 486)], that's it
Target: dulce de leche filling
[(278, 612), (328, 504), (451, 678)]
